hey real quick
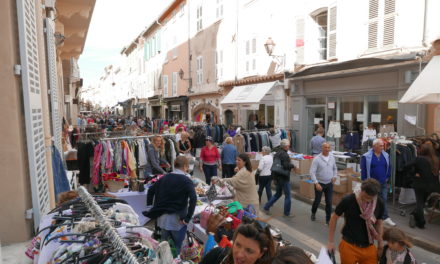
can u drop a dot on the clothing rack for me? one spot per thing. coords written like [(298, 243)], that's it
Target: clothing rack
[(393, 158), (109, 230), (136, 137)]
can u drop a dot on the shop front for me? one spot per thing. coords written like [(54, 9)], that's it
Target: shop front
[(354, 107), (155, 107), (177, 108), (205, 108), (257, 105)]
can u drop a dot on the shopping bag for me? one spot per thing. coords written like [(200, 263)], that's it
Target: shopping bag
[(211, 194), (204, 216), (324, 257), (191, 250)]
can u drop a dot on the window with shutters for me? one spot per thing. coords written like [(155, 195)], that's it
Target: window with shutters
[(199, 69), (165, 85), (251, 55), (321, 22), (331, 37), (174, 87), (174, 47), (182, 9), (219, 9), (300, 40), (381, 24), (199, 18)]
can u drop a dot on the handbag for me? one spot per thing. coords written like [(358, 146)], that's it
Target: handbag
[(278, 168), (204, 216), (211, 194), (191, 250), (257, 176), (217, 219)]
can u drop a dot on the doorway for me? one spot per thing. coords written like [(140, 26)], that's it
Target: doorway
[(315, 118), (229, 117)]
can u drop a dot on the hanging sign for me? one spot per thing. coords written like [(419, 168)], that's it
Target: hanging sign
[(331, 105), (392, 104), (360, 117), (348, 116)]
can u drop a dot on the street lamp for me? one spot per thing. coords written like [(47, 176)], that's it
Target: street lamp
[(181, 75), (269, 46)]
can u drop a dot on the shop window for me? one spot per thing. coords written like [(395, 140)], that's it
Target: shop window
[(382, 113)]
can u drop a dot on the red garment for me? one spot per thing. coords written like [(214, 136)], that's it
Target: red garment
[(179, 126), (209, 155)]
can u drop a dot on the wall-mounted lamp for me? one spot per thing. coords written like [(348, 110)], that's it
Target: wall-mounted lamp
[(269, 46), (181, 76), (59, 38)]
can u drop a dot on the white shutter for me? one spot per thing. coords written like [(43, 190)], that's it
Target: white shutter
[(300, 41), (332, 18), (174, 84), (373, 20), (165, 85), (388, 22), (30, 76), (53, 83)]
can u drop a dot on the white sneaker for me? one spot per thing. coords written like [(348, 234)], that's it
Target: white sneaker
[(389, 222)]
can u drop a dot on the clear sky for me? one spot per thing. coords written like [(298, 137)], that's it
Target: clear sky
[(115, 23)]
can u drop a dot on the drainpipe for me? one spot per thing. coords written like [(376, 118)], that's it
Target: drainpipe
[(425, 25)]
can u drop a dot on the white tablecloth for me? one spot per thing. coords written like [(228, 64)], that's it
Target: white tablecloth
[(137, 200)]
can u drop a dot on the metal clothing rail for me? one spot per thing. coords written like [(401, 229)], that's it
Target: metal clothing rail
[(109, 231), (136, 137)]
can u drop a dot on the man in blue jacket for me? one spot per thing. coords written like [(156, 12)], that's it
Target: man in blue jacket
[(175, 199), (376, 164)]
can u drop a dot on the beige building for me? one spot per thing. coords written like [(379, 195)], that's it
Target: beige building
[(38, 56)]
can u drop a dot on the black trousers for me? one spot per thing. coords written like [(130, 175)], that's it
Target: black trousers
[(228, 170), (327, 189), (419, 214)]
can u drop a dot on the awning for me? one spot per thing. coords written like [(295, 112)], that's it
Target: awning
[(426, 88), (248, 96)]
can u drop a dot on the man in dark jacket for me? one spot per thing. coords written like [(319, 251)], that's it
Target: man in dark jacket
[(282, 181), (171, 207)]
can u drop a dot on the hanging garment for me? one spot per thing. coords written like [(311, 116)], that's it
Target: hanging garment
[(352, 141), (334, 129), (96, 164), (85, 152), (239, 143), (60, 181), (368, 134), (254, 142), (142, 153)]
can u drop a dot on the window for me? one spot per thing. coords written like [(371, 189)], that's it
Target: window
[(146, 49), (219, 9), (199, 18), (251, 54), (158, 42), (381, 23), (153, 46), (321, 21), (199, 70), (174, 47), (174, 16), (174, 86), (331, 43), (165, 85)]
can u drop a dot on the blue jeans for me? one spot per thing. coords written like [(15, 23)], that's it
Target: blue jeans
[(176, 236), (264, 182), (384, 195), (209, 171), (280, 188), (327, 189)]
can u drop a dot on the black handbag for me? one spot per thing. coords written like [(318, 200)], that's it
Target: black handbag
[(278, 168), (257, 176)]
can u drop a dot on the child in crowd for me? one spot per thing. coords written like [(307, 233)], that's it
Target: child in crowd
[(397, 249)]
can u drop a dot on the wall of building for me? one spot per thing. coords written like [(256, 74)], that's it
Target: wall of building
[(15, 193)]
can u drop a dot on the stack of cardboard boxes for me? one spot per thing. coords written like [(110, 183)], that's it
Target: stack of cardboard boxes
[(347, 181)]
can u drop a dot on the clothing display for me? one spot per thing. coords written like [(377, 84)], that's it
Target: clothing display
[(334, 129), (368, 134)]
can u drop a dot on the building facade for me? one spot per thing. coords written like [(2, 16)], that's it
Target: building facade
[(35, 51)]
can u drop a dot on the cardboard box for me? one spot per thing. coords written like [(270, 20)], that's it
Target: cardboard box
[(307, 189), (337, 197), (353, 182), (302, 165), (342, 187)]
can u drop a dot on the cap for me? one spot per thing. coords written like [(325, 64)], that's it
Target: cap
[(208, 138)]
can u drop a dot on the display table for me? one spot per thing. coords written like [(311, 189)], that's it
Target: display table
[(137, 200)]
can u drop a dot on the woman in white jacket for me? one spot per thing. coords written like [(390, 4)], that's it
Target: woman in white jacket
[(265, 178)]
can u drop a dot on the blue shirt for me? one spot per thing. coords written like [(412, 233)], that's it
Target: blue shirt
[(316, 144), (229, 154), (378, 169)]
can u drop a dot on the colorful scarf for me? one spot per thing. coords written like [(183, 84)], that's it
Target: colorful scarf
[(367, 213)]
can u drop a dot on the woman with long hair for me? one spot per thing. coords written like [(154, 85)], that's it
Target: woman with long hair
[(244, 182), (426, 167), (252, 244)]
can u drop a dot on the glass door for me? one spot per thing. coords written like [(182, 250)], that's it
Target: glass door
[(315, 119)]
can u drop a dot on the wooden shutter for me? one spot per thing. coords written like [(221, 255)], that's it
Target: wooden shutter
[(389, 22), (53, 82), (33, 109), (300, 40), (373, 20), (174, 84), (165, 85), (331, 49)]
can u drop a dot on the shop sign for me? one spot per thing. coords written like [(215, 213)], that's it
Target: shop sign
[(392, 104), (175, 108), (331, 105)]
